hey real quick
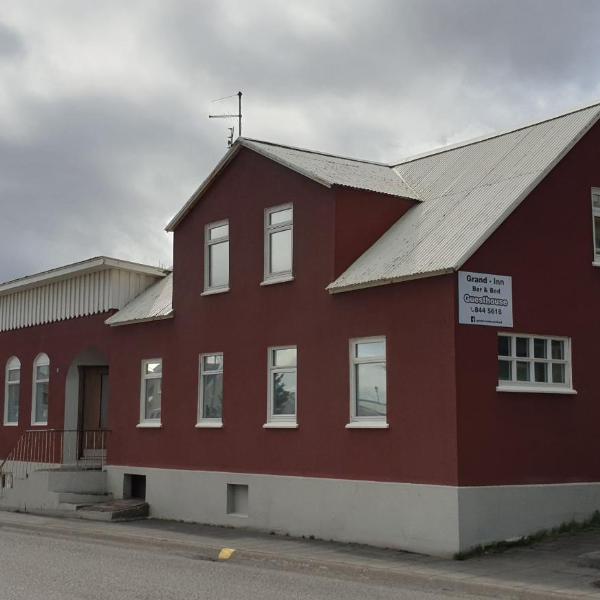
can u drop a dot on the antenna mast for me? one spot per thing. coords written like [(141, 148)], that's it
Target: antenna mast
[(237, 116)]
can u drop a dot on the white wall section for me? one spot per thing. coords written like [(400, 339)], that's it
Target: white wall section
[(78, 295)]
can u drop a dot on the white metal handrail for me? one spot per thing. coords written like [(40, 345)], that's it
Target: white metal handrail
[(40, 448)]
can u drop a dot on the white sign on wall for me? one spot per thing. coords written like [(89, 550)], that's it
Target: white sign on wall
[(485, 299)]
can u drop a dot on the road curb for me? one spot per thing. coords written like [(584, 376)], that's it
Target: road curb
[(423, 578)]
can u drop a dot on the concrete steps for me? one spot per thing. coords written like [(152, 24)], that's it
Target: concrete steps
[(129, 509)]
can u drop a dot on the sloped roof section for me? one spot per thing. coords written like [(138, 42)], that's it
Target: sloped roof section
[(467, 191), (336, 170), (153, 304), (326, 169)]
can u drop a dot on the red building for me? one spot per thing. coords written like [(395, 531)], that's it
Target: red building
[(399, 355)]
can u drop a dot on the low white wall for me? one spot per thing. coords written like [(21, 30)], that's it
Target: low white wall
[(493, 513), (421, 518)]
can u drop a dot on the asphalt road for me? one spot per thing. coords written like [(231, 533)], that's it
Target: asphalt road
[(36, 566)]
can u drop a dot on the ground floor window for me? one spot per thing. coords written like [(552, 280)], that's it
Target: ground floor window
[(41, 386), (210, 409), (368, 381), (151, 392), (534, 361), (282, 398), (12, 392)]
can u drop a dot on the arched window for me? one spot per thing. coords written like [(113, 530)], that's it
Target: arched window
[(41, 384), (12, 391)]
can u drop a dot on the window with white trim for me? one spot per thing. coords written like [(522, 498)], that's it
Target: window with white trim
[(279, 243), (368, 381), (596, 222), (151, 392), (41, 386), (12, 391), (283, 396), (216, 257), (533, 361), (210, 392)]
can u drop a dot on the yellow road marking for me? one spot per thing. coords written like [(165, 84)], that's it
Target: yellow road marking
[(226, 553)]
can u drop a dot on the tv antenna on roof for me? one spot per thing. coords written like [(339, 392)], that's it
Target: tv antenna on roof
[(237, 116)]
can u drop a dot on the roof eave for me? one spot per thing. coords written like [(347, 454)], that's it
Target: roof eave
[(381, 282), (134, 321), (86, 266)]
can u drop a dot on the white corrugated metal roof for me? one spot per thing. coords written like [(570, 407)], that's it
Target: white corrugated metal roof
[(85, 266), (335, 170), (466, 192), (153, 304), (326, 169)]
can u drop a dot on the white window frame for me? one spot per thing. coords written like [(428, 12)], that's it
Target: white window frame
[(356, 421), (279, 276), (12, 364), (280, 421), (533, 386), (595, 213), (215, 289), (144, 422), (41, 360), (215, 422)]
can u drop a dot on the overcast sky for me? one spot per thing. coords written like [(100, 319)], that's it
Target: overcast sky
[(103, 105)]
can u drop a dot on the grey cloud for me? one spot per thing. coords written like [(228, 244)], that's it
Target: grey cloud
[(11, 44), (101, 169)]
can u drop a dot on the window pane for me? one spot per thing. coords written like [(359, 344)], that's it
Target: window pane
[(218, 269), (285, 357), (14, 374), (522, 346), (523, 371), (153, 367), (597, 233), (539, 348), (558, 349), (370, 349), (503, 345), (280, 216), (504, 370), (43, 372), (214, 362), (284, 393), (218, 232), (370, 390), (41, 402), (281, 251), (153, 397), (558, 374), (12, 409), (212, 396), (541, 372), (596, 200)]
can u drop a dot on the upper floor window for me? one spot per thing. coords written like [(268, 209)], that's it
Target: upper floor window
[(279, 234), (41, 386), (533, 363), (12, 391), (216, 257), (596, 222), (368, 382), (282, 399), (151, 392), (210, 393)]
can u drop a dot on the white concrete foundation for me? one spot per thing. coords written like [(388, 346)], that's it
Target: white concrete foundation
[(421, 518), (489, 514), (432, 519)]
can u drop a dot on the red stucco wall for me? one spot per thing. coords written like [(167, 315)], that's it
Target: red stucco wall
[(416, 317), (546, 245)]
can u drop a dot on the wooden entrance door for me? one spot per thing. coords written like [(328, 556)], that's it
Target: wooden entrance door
[(93, 419)]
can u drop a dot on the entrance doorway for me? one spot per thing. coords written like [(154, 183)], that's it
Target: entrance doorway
[(94, 396)]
